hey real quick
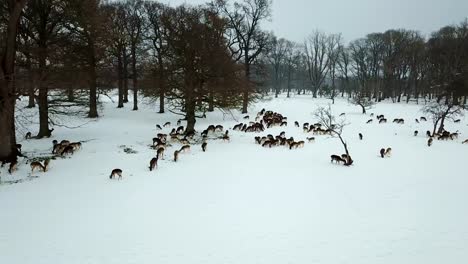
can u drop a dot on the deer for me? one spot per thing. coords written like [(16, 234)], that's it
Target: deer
[(116, 172), (310, 139), (67, 150), (167, 124), (225, 137), (428, 134), (416, 133), (153, 163), (422, 118), (158, 127), (28, 135), (185, 148), (38, 165), (337, 159), (382, 121), (176, 155), (296, 124), (203, 146), (465, 141), (369, 121), (417, 121), (160, 153), (429, 142), (360, 136), (13, 166), (75, 145)]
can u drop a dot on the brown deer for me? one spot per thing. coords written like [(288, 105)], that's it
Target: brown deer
[(75, 145), (38, 165), (116, 172), (360, 136), (176, 155), (160, 153), (13, 166), (158, 127), (28, 135), (167, 124), (337, 159), (185, 148), (429, 142), (416, 133), (465, 142), (153, 163), (67, 150), (388, 152), (369, 121)]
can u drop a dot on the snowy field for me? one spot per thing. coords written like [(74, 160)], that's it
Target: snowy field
[(240, 203)]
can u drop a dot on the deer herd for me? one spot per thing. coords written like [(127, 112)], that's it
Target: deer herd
[(264, 120)]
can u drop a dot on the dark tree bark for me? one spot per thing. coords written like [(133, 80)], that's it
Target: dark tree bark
[(134, 79), (92, 81), (120, 74), (125, 75), (8, 149), (190, 115), (43, 102), (30, 83)]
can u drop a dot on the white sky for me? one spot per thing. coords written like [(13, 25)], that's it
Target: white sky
[(295, 19)]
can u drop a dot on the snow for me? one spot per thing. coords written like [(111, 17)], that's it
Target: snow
[(239, 202)]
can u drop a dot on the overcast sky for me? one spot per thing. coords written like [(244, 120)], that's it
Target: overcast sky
[(295, 19)]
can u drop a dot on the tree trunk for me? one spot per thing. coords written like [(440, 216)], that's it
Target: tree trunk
[(190, 115), (245, 97), (70, 93), (125, 76), (43, 103), (134, 79), (210, 102), (30, 83), (8, 149), (120, 80), (162, 87), (92, 83)]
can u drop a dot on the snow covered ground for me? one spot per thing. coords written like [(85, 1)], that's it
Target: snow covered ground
[(238, 202)]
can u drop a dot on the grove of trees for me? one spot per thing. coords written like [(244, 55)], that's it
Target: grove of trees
[(63, 54)]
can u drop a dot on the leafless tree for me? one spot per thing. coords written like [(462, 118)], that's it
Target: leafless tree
[(329, 122), (439, 112), (249, 39), (135, 23), (315, 48)]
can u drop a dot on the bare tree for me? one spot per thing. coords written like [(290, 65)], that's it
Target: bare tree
[(251, 41), (315, 48), (156, 34), (42, 23), (333, 50), (329, 122), (439, 112), (277, 56), (135, 24)]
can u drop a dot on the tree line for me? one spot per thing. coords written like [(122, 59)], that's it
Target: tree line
[(62, 55)]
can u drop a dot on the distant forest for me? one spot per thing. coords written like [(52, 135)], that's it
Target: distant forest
[(61, 55)]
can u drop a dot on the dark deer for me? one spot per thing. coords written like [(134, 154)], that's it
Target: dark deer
[(203, 146), (153, 163), (116, 172)]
